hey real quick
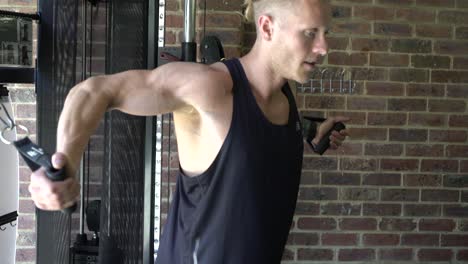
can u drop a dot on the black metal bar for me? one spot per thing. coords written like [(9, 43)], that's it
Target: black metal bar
[(8, 218), (17, 75), (6, 13), (150, 145), (3, 90)]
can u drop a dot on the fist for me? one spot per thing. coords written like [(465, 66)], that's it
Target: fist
[(50, 195)]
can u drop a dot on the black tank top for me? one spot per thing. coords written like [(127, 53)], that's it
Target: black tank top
[(240, 210)]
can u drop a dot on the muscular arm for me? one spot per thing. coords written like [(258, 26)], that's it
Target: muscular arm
[(136, 92)]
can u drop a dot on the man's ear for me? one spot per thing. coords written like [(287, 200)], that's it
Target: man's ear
[(265, 27)]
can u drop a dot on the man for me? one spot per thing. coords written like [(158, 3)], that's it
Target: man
[(238, 131)]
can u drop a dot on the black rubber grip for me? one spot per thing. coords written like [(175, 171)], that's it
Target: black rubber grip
[(324, 143)]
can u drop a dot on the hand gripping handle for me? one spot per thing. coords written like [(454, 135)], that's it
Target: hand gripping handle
[(35, 157)]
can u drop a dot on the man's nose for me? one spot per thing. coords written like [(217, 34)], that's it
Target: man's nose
[(320, 46)]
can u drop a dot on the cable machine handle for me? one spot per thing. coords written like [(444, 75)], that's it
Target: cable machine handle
[(35, 157)]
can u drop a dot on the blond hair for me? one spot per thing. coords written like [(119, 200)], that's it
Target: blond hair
[(254, 8)]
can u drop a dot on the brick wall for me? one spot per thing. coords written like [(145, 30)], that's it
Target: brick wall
[(396, 191)]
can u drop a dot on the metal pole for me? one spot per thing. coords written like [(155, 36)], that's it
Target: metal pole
[(189, 47)]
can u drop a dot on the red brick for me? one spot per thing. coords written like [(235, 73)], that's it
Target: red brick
[(431, 120), (393, 29), (359, 28), (358, 164), (308, 223), (462, 255), (26, 207), (464, 166), (370, 74), (359, 194), (381, 179), (439, 165), (428, 90), (453, 17), (456, 210), (26, 239), (399, 195), (396, 254), (389, 60), (359, 103), (310, 178), (416, 15), (397, 224), (415, 135), (384, 89), (384, 149), (25, 255), (435, 254), (407, 105), (26, 222), (373, 13), (397, 2), (462, 33), (304, 208), (411, 45), (361, 254), (420, 150), (458, 121), (436, 3), (314, 254), (287, 254), (370, 44), (399, 164), (422, 180), (314, 193), (330, 239), (380, 239), (224, 20), (457, 151), (346, 209), (457, 90), (434, 31), (367, 133), (447, 136), (425, 61), (440, 195), (452, 47), (437, 225), (456, 181), (386, 119), (324, 102), (322, 163), (358, 224), (449, 106), (460, 63), (420, 239), (343, 58), (340, 178), (454, 240), (421, 210), (381, 209), (337, 43), (234, 5), (303, 239), (357, 118), (409, 75)]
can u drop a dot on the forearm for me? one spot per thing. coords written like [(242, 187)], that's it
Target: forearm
[(83, 110)]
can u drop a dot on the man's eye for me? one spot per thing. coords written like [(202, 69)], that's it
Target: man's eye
[(309, 34)]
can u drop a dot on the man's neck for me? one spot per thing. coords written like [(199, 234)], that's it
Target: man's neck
[(261, 75)]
